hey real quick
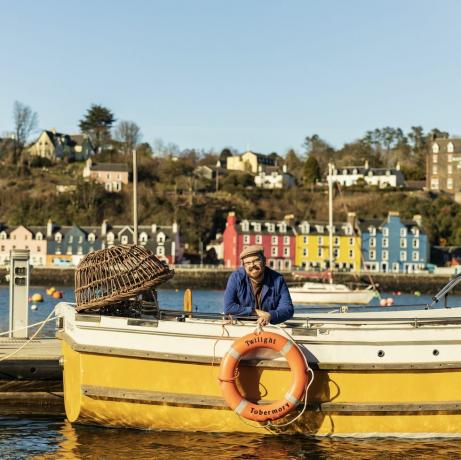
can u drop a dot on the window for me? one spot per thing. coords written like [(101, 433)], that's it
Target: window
[(336, 241), (3, 236), (39, 248), (110, 238), (403, 256), (450, 183), (80, 250), (286, 252), (305, 239), (434, 184), (304, 252), (450, 147), (320, 252), (69, 250), (258, 239), (286, 240), (246, 239), (161, 238), (257, 226), (372, 231), (91, 237), (372, 242), (39, 236), (385, 255), (2, 248), (403, 242), (320, 240), (124, 239), (450, 169), (335, 253), (160, 251), (275, 240), (372, 255), (58, 237), (403, 231), (143, 238), (415, 244), (287, 264), (385, 243), (415, 256), (385, 231), (270, 228), (283, 227), (434, 169), (245, 226), (351, 241), (71, 239), (395, 267), (351, 253), (274, 251)]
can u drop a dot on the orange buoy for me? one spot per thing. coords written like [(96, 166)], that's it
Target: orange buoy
[(57, 295), (227, 376)]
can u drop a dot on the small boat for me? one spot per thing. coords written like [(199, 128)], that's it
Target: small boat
[(330, 293), (369, 373)]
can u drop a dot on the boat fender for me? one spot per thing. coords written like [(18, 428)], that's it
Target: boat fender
[(228, 373)]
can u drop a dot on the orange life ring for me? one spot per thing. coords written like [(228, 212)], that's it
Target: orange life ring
[(230, 361)]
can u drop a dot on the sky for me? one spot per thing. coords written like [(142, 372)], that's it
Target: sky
[(247, 74)]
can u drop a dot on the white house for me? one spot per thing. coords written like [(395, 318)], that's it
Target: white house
[(380, 177), (274, 179)]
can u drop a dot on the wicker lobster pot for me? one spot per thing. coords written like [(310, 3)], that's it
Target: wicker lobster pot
[(116, 274)]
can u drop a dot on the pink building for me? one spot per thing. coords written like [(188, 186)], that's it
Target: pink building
[(21, 237), (276, 237)]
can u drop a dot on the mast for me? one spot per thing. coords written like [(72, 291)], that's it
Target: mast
[(135, 198), (330, 217)]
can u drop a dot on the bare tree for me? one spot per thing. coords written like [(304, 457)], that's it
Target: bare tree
[(25, 122), (129, 133)]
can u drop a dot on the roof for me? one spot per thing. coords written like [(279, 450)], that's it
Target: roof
[(119, 167), (443, 142)]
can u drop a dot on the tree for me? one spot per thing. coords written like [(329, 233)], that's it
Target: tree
[(129, 134), (25, 122), (311, 170), (97, 123), (320, 150)]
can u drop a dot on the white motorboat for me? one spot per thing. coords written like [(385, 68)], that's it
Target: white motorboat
[(330, 293)]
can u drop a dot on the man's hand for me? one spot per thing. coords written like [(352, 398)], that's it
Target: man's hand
[(264, 317)]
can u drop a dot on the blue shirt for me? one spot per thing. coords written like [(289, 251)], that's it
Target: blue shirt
[(239, 299)]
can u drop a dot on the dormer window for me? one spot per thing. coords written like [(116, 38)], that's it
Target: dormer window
[(345, 172), (3, 236), (58, 237), (161, 238), (370, 173), (91, 237), (450, 147), (143, 238), (124, 239), (39, 236), (110, 238), (245, 226), (270, 227), (372, 231), (257, 226), (305, 228), (283, 227), (355, 171), (435, 147)]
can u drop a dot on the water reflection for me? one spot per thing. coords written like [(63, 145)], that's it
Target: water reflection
[(47, 438)]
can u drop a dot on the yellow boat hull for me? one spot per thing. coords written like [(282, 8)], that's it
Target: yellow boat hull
[(168, 394)]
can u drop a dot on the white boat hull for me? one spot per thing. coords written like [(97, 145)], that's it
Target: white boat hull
[(323, 293)]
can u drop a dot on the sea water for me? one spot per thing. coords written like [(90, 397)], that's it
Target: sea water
[(27, 436)]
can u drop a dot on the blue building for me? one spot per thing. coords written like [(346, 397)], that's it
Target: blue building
[(394, 245)]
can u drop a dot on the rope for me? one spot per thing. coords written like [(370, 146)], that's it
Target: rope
[(48, 318)]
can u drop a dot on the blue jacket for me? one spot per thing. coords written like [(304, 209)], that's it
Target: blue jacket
[(275, 298)]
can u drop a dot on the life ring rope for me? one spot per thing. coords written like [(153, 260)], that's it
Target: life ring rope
[(283, 344)]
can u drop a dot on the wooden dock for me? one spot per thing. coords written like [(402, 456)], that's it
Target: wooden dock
[(30, 379)]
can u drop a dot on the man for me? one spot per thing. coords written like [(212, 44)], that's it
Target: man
[(255, 289)]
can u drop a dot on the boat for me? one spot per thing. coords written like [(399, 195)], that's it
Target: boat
[(368, 373), (329, 293)]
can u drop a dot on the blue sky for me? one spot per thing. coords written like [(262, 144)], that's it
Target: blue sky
[(261, 74)]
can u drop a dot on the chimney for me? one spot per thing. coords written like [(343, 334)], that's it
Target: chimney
[(175, 227), (104, 227), (289, 219), (418, 218), (351, 218), (366, 164), (231, 220), (153, 228), (49, 229)]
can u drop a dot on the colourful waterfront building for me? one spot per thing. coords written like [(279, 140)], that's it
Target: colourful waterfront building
[(394, 244), (313, 245), (276, 237)]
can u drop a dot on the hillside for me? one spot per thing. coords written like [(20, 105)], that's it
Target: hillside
[(168, 191)]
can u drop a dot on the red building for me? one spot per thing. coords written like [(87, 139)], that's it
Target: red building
[(276, 237)]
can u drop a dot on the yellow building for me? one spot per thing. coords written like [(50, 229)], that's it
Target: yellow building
[(249, 162), (313, 246)]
